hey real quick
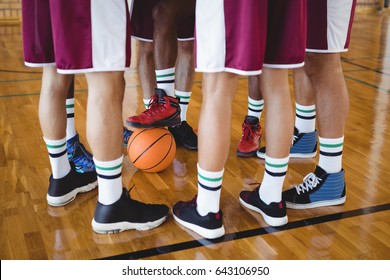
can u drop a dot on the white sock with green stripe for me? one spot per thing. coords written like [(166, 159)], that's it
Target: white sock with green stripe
[(305, 118), (166, 80), (58, 156), (146, 102), (272, 184), (109, 180), (209, 191), (70, 128), (184, 100), (331, 150), (255, 107)]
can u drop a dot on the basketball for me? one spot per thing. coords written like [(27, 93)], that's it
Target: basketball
[(152, 149)]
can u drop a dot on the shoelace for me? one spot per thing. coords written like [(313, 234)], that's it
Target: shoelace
[(295, 137), (81, 156), (247, 130), (156, 105), (309, 182)]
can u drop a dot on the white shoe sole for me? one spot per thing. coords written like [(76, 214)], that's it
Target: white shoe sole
[(58, 201), (272, 221), (206, 233)]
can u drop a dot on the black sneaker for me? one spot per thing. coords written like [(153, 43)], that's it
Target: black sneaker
[(209, 226), (126, 136), (317, 189), (126, 214), (274, 213), (184, 135), (64, 190)]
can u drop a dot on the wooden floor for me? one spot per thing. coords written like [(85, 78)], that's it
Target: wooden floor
[(359, 229)]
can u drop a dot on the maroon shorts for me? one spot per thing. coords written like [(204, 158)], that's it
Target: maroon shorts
[(329, 24), (240, 36), (77, 35), (142, 24)]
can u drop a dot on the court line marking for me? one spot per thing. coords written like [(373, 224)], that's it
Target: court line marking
[(172, 248)]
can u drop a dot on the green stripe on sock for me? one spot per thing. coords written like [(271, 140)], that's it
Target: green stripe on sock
[(332, 145), (256, 105), (306, 111), (210, 179), (56, 146), (109, 168), (165, 75), (276, 165)]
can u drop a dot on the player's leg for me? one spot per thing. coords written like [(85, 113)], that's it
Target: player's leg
[(64, 183), (184, 134), (115, 210), (251, 128), (77, 153), (203, 214), (326, 185)]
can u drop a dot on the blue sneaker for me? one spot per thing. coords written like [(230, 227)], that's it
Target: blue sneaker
[(79, 155), (126, 136), (304, 145), (318, 189)]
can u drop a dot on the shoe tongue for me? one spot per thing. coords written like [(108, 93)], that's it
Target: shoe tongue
[(252, 120), (160, 92), (320, 173)]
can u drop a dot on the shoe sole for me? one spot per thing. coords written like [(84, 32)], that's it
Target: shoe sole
[(155, 124), (206, 233), (333, 202), (246, 154), (275, 222), (123, 226), (58, 201), (295, 155)]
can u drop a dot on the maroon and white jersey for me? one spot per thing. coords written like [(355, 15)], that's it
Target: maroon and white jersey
[(77, 35)]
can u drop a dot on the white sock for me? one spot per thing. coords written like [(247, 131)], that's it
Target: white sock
[(166, 80), (58, 156), (184, 100), (209, 191), (330, 158), (70, 128), (255, 107), (109, 180), (305, 120), (272, 184)]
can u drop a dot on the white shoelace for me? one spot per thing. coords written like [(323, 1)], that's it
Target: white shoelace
[(309, 182)]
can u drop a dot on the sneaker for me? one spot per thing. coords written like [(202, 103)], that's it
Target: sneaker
[(250, 139), (318, 189), (184, 135), (304, 145), (79, 155), (274, 213), (209, 226), (126, 136), (163, 110), (62, 191), (126, 214)]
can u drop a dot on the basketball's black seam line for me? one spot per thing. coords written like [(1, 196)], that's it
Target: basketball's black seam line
[(135, 136), (151, 145), (164, 156)]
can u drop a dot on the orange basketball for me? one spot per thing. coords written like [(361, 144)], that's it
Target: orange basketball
[(152, 149)]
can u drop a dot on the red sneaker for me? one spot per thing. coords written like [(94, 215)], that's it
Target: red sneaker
[(163, 110), (250, 139)]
